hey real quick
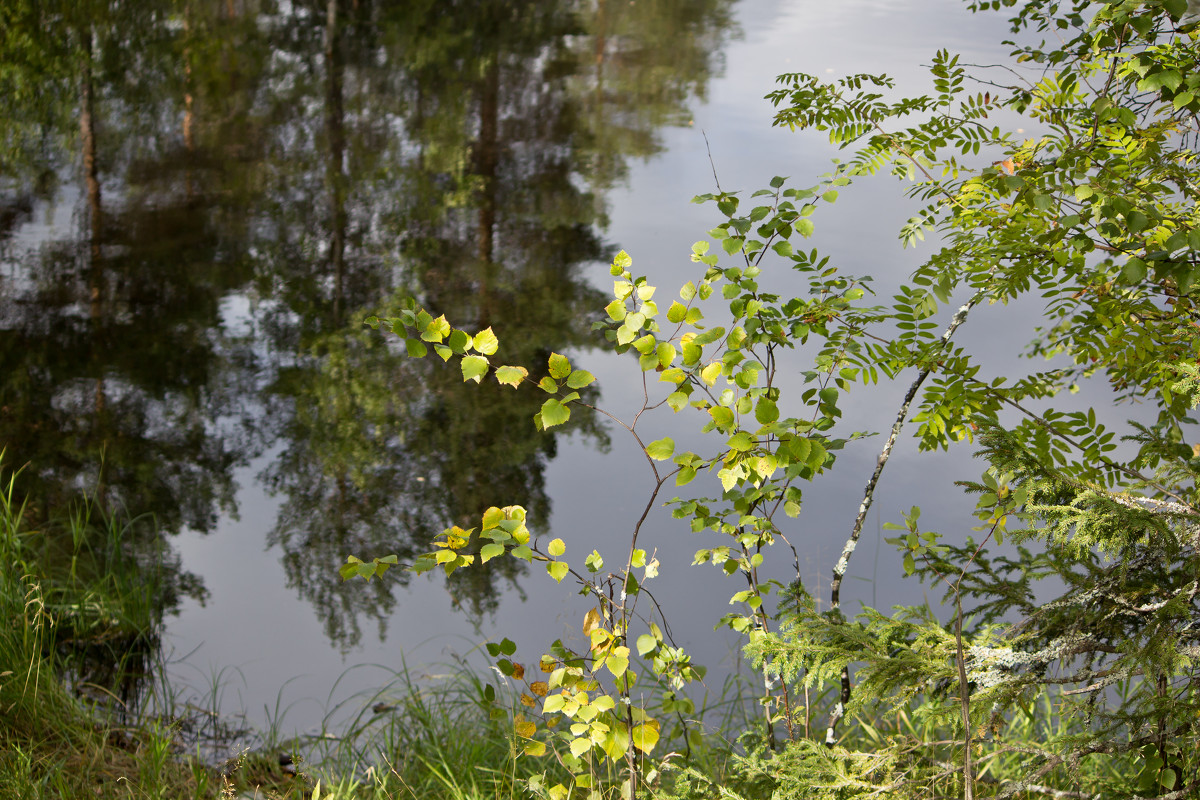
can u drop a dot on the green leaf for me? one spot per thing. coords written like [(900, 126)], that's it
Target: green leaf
[(511, 376), (557, 570), (548, 385), (490, 551), (556, 548), (554, 413), (765, 410), (416, 348), (646, 644), (474, 368), (486, 342), (662, 449), (580, 378), (666, 354), (560, 367), (677, 312)]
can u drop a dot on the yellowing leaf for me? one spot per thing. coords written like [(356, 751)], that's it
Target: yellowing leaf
[(560, 367), (556, 548), (645, 736), (539, 688), (580, 746), (558, 570), (617, 665), (591, 621), (525, 728), (490, 551), (511, 376), (535, 749), (711, 372), (528, 701), (474, 368)]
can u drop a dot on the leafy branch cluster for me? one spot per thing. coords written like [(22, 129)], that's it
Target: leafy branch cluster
[(1091, 693)]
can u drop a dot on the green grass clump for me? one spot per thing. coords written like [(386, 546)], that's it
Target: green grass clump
[(81, 716)]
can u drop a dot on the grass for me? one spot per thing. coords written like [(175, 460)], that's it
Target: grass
[(82, 597)]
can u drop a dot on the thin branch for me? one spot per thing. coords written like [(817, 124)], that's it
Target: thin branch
[(843, 563)]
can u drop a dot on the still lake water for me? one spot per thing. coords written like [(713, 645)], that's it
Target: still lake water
[(179, 314)]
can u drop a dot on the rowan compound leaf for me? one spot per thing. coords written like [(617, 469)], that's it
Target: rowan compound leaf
[(486, 342), (580, 378), (554, 413), (661, 449), (511, 376), (560, 367), (556, 548), (557, 570), (474, 368)]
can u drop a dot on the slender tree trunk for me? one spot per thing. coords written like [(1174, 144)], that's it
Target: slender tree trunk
[(95, 272), (335, 170)]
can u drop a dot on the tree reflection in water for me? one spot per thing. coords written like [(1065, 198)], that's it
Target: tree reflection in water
[(255, 179)]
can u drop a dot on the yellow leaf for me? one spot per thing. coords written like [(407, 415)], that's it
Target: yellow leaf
[(540, 688), (645, 736), (557, 548), (711, 373), (535, 749), (525, 728), (528, 701), (591, 621)]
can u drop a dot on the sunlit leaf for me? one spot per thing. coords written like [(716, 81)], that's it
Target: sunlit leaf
[(560, 367), (645, 736), (557, 570), (511, 376), (554, 413), (474, 368), (490, 551), (580, 378), (661, 449), (486, 342)]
